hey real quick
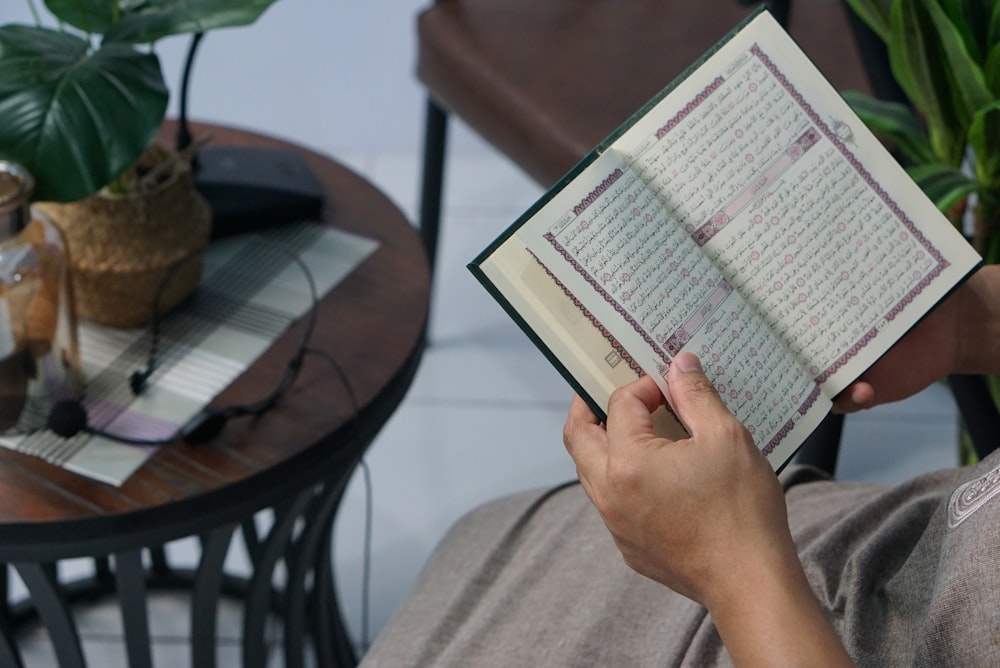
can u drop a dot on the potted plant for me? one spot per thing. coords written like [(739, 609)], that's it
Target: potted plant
[(945, 57), (80, 104)]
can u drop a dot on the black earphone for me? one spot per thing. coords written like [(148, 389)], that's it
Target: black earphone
[(68, 417)]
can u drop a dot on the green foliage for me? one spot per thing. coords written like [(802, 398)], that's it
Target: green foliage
[(80, 103), (945, 55)]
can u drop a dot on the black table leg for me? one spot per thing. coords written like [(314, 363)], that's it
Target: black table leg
[(258, 599), (9, 656), (43, 585), (205, 598), (131, 579)]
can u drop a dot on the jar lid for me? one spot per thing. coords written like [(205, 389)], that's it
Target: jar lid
[(16, 185)]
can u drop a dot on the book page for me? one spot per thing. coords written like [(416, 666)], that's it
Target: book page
[(798, 206), (590, 358), (608, 241)]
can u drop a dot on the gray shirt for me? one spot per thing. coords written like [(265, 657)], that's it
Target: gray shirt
[(907, 575)]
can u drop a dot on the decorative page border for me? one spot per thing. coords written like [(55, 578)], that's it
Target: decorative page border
[(612, 341), (619, 309), (788, 426), (839, 144), (679, 339), (592, 197), (703, 234), (688, 108)]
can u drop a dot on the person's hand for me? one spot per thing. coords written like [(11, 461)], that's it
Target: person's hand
[(924, 355), (955, 337), (694, 514), (704, 515)]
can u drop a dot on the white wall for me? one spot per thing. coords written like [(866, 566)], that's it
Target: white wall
[(337, 76)]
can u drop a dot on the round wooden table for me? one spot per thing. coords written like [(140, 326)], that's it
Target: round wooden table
[(295, 459)]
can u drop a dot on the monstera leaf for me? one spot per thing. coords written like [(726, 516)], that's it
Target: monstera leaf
[(76, 116), (141, 21), (78, 105), (151, 20)]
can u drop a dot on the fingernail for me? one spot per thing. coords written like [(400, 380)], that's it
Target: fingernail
[(687, 362), (858, 398)]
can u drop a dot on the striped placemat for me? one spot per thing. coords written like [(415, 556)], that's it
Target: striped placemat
[(251, 290)]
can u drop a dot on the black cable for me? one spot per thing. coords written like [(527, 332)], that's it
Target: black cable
[(69, 417), (364, 640), (366, 561), (342, 376), (137, 380), (207, 424), (295, 364), (183, 131)]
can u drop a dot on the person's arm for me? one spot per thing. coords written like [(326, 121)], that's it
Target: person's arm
[(978, 321), (961, 335), (704, 516)]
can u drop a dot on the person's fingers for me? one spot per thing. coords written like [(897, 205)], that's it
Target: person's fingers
[(630, 411), (586, 441), (694, 397), (647, 392), (580, 413), (855, 397)]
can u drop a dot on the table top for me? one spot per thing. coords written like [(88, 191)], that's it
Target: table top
[(372, 324)]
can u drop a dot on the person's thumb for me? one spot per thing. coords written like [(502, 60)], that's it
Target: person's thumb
[(693, 396)]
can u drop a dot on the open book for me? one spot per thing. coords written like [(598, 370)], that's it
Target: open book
[(745, 214)]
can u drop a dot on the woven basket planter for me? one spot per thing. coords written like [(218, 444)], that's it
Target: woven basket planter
[(126, 249)]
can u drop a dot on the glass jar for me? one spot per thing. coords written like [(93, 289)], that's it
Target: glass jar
[(39, 352)]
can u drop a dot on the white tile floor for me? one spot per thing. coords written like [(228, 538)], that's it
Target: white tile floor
[(484, 415)]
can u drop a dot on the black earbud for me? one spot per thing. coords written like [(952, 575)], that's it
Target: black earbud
[(68, 418), (204, 426), (137, 381)]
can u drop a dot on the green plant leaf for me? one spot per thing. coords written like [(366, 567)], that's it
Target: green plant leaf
[(966, 75), (875, 13), (76, 118), (993, 34), (991, 70), (984, 140), (895, 123), (918, 62), (154, 19), (972, 19), (913, 49), (991, 64), (92, 16), (944, 185)]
